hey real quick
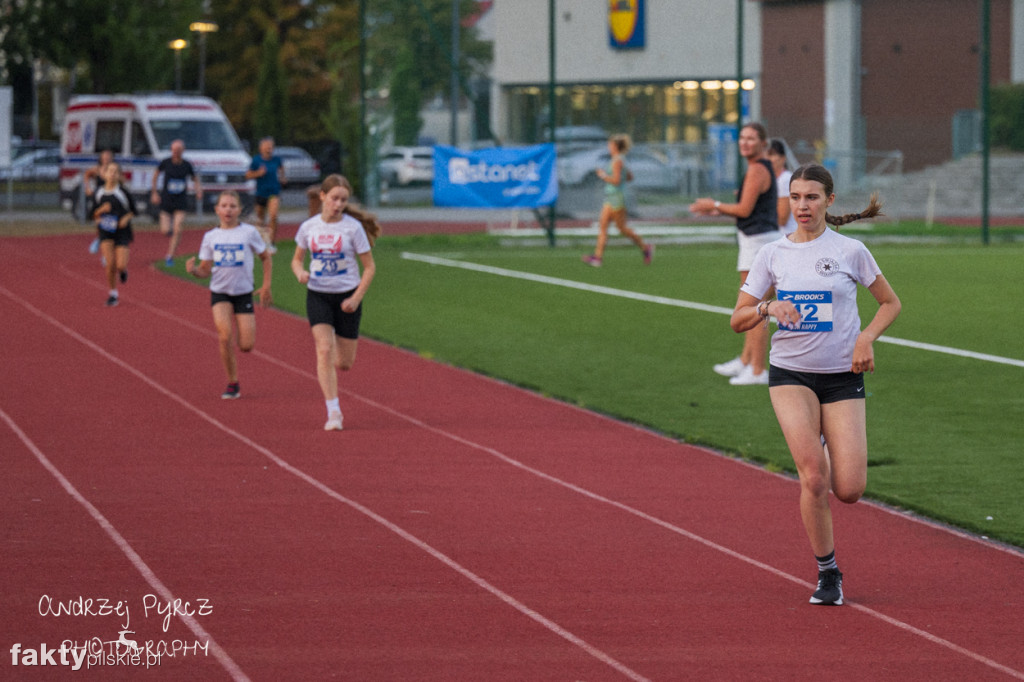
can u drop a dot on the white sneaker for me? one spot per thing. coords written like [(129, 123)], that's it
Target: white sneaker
[(746, 377), (333, 422), (731, 368)]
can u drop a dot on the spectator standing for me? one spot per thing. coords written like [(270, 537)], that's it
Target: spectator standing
[(780, 165), (756, 215)]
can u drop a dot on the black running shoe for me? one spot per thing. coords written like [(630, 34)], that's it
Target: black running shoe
[(231, 392), (830, 588), (112, 301), (124, 276)]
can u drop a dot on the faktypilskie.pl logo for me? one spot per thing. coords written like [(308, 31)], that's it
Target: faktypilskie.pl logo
[(124, 649)]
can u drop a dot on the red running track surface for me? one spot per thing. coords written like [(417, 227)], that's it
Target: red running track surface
[(457, 529)]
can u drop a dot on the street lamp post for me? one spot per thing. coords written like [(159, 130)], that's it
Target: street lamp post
[(177, 45), (202, 28)]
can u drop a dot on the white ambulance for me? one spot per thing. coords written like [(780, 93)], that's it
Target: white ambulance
[(139, 130)]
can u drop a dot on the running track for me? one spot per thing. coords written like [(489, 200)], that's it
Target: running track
[(458, 529)]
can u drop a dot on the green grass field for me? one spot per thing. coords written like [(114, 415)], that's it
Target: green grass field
[(945, 431)]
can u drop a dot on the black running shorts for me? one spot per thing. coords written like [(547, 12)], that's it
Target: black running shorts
[(830, 388)]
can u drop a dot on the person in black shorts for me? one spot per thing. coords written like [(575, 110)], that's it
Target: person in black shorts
[(113, 212), (227, 256), (92, 180), (170, 192), (819, 354), (338, 242)]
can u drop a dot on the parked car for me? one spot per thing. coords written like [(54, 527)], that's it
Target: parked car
[(650, 172), (570, 139), (299, 167), (21, 147), (38, 164), (406, 165)]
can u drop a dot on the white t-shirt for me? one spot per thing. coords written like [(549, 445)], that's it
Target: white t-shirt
[(782, 187), (333, 249), (231, 251), (820, 277)]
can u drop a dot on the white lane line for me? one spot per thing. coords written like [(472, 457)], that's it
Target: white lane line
[(122, 544), (663, 300), (906, 627), (315, 483)]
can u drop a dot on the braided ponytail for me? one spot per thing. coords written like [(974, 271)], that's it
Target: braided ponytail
[(820, 174), (873, 209)]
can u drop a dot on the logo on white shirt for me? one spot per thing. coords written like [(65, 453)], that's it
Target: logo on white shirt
[(826, 267)]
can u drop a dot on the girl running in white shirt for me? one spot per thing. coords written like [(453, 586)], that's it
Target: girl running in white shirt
[(338, 241), (226, 257), (819, 354)]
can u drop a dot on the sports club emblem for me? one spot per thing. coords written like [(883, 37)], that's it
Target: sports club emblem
[(827, 267), (626, 23)]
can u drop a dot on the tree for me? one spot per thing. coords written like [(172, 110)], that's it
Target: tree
[(411, 52), (309, 33), (125, 49), (406, 97), (271, 113)]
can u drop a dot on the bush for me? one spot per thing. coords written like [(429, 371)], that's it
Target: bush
[(1006, 128)]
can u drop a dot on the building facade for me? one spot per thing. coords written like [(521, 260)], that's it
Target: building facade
[(850, 75), (669, 88)]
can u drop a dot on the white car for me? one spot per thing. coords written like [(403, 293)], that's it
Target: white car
[(570, 139), (299, 167), (406, 165), (650, 172), (38, 164)]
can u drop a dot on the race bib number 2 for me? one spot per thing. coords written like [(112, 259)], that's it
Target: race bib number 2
[(815, 308)]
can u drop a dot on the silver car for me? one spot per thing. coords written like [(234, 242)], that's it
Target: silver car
[(406, 165), (38, 164), (299, 167), (650, 171)]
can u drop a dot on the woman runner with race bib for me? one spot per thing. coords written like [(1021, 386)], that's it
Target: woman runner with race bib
[(819, 354), (338, 242)]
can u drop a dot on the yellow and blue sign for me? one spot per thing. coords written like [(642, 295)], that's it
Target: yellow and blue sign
[(626, 20)]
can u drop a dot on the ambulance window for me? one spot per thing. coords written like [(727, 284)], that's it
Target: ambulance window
[(140, 146), (110, 135)]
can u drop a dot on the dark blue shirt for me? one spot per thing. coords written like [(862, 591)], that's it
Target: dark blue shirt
[(268, 185)]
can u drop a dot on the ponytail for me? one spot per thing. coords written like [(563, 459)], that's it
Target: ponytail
[(873, 209), (820, 174)]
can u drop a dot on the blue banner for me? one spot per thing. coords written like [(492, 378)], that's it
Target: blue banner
[(498, 177)]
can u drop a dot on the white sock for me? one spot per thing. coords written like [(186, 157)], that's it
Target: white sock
[(333, 406), (113, 292)]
